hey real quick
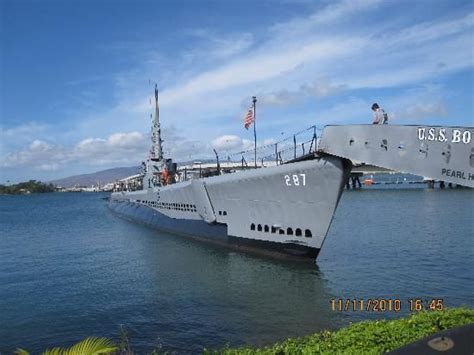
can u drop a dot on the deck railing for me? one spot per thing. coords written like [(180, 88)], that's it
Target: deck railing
[(276, 153)]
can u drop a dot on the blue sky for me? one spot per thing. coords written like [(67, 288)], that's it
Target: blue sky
[(77, 76)]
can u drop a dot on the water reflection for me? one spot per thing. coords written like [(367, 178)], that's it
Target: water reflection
[(220, 296)]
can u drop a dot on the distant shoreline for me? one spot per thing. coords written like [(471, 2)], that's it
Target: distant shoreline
[(26, 188)]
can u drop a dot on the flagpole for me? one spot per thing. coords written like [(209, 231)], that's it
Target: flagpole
[(254, 98)]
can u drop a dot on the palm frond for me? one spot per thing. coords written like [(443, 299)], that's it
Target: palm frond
[(20, 351), (91, 346), (53, 351)]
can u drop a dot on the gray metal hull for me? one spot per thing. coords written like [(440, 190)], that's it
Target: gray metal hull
[(282, 210), (211, 233)]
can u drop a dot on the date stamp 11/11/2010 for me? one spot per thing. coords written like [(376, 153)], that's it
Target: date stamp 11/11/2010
[(381, 305)]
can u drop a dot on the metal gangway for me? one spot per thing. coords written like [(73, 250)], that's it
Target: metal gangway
[(434, 152)]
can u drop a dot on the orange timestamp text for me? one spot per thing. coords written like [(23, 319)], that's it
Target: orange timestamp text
[(385, 304)]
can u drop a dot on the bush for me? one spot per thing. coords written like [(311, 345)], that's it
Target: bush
[(368, 337)]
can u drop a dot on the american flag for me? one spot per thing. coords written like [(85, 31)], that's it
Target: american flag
[(249, 118)]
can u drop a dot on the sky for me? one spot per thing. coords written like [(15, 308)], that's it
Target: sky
[(77, 76)]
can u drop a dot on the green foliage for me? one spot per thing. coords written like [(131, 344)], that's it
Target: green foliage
[(31, 186), (88, 346), (124, 344), (368, 337), (91, 346)]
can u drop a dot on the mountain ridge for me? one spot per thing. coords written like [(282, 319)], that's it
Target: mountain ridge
[(103, 177)]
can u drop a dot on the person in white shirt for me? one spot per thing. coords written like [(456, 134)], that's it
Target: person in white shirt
[(380, 117)]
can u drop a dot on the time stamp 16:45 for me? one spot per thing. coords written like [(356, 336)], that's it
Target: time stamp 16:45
[(385, 304)]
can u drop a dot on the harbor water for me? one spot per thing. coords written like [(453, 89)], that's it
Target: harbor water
[(69, 269)]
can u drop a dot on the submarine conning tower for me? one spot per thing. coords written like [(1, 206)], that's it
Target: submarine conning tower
[(434, 152)]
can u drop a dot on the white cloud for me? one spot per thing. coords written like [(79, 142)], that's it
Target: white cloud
[(217, 46), (415, 104), (247, 144), (188, 150), (118, 148), (268, 141), (281, 69), (39, 146), (35, 154), (91, 145), (132, 139), (279, 98), (428, 31), (263, 66), (416, 111), (179, 147), (22, 130), (233, 146), (422, 110), (331, 14), (320, 88), (233, 46), (227, 142), (412, 65), (48, 167), (17, 136)]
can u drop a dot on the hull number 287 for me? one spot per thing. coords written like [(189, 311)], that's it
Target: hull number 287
[(295, 180)]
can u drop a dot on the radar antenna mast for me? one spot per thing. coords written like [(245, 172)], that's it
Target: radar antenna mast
[(156, 149)]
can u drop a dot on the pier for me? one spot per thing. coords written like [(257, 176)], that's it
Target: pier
[(437, 153)]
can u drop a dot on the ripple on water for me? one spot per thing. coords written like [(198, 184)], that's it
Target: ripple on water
[(70, 269)]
